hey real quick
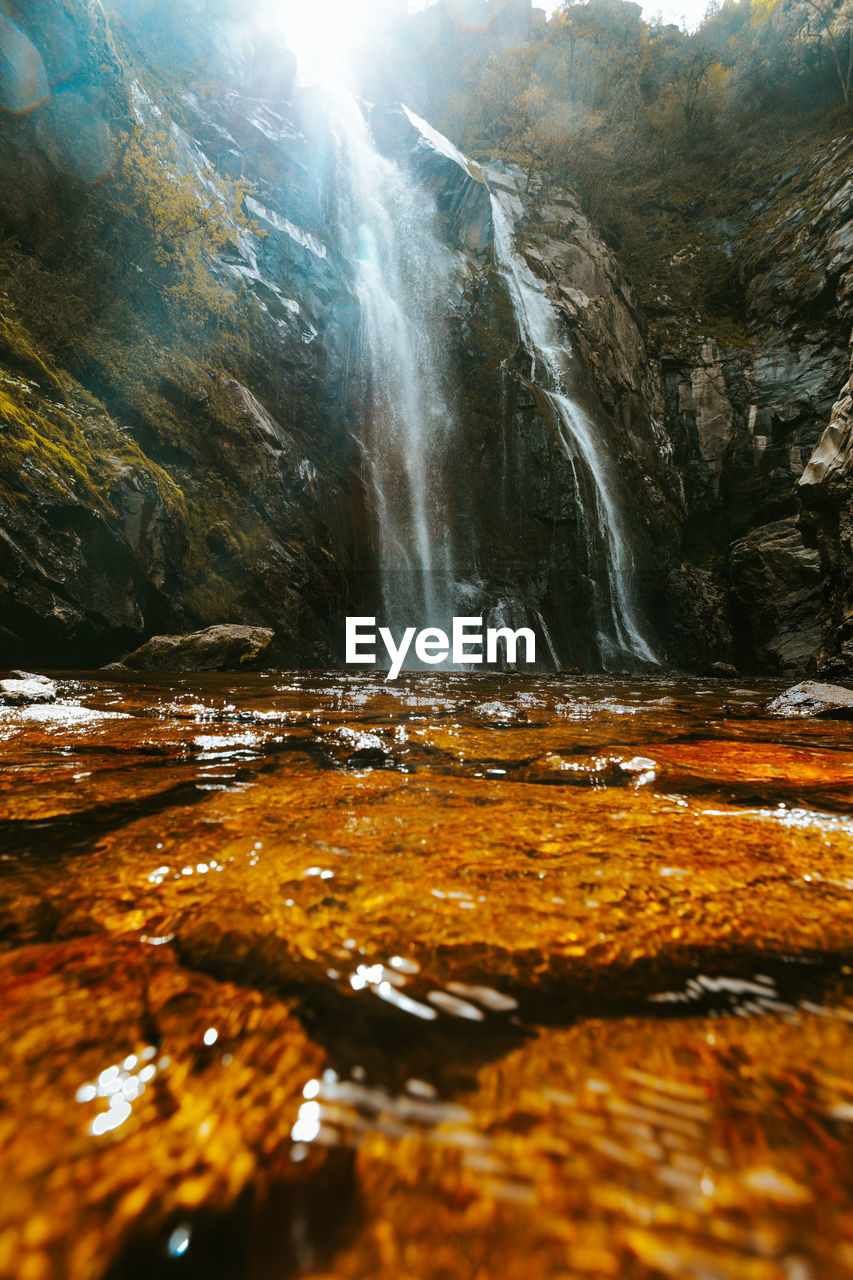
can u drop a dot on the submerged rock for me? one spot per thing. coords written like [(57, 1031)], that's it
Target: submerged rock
[(257, 996), (810, 698), (172, 1044), (24, 689), (226, 647)]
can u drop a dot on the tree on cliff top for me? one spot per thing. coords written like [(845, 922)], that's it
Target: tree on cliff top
[(819, 22)]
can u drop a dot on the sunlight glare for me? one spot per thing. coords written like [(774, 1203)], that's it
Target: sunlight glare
[(328, 36)]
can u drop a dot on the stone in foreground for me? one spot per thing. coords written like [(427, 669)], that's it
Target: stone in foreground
[(810, 698), (26, 690), (225, 647)]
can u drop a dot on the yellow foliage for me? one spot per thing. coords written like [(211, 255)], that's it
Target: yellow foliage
[(189, 213)]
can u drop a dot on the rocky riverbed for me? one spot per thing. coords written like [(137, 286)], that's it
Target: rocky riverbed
[(460, 976)]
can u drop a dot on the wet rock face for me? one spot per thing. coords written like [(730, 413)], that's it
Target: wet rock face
[(707, 400), (219, 648), (765, 471), (672, 424), (188, 489), (457, 184), (825, 489), (71, 587), (743, 427), (522, 525), (773, 565)]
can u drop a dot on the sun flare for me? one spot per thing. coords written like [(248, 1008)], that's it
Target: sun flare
[(328, 36)]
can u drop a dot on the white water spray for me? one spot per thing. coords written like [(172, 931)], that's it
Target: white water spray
[(620, 632), (403, 278)]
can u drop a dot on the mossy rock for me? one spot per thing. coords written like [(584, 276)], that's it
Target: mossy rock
[(225, 647)]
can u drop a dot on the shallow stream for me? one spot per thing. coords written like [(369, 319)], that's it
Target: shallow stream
[(458, 977)]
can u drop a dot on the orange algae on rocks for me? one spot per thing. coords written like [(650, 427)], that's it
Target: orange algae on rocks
[(121, 1108), (452, 978), (722, 1154)]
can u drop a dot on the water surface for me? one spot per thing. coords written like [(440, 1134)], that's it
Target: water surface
[(457, 977)]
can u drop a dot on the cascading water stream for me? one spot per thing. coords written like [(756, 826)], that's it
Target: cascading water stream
[(402, 275), (620, 632)]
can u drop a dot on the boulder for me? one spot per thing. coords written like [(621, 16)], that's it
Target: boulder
[(810, 698), (724, 670), (225, 647), (25, 690)]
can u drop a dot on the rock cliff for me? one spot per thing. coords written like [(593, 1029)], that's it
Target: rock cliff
[(740, 448), (172, 452), (826, 490), (180, 414)]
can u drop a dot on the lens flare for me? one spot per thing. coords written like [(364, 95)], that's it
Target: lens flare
[(23, 82)]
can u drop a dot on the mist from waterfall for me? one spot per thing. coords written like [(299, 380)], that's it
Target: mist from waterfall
[(403, 278), (610, 567)]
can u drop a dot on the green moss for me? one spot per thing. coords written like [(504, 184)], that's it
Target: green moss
[(17, 349), (48, 445), (59, 445), (226, 534)]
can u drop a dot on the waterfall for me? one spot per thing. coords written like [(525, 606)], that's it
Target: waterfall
[(403, 276), (609, 562)]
